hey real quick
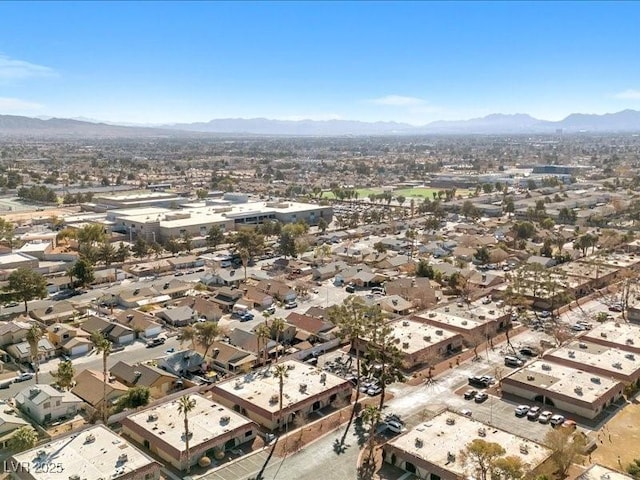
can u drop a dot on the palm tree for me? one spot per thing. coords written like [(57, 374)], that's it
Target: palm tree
[(281, 372), (244, 256), (277, 327), (185, 405), (103, 345), (353, 320), (371, 415), (263, 335), (33, 338)]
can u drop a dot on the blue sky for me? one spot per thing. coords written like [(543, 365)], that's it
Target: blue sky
[(413, 62)]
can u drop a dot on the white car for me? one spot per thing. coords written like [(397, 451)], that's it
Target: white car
[(556, 420), (466, 412), (521, 410), (545, 416), (23, 377), (395, 427)]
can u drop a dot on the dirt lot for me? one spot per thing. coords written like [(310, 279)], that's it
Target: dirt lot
[(620, 438)]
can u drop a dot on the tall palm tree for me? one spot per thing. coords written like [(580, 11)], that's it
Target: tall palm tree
[(244, 256), (103, 345), (33, 338), (281, 372), (263, 335), (277, 327), (185, 405), (371, 415)]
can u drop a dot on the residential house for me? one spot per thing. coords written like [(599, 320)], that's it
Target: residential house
[(21, 352), (202, 307), (61, 311), (395, 244), (177, 316), (349, 254), (464, 253), (114, 331), (46, 404), (9, 423), (249, 341), (158, 381), (143, 323), (137, 297), (13, 332), (278, 290), (395, 262), (226, 298), (419, 291), (483, 280), (224, 277), (545, 262), (70, 340), (186, 261), (316, 312), (183, 363), (315, 328), (395, 304), (228, 358), (89, 387), (324, 272), (174, 288), (256, 298)]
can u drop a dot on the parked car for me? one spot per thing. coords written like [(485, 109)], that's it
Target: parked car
[(6, 384), (569, 425), (23, 377), (394, 426), (556, 420), (479, 382), (615, 308), (245, 317), (291, 305), (545, 314), (154, 342), (511, 361), (521, 410), (270, 310), (481, 397), (545, 416), (528, 352), (393, 417), (374, 390), (469, 394), (466, 412), (350, 289), (533, 413)]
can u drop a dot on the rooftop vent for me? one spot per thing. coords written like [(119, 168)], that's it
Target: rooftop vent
[(582, 345), (152, 417), (630, 356), (578, 390), (90, 438), (546, 366), (439, 332), (419, 442), (595, 379), (617, 365), (405, 323), (451, 421)]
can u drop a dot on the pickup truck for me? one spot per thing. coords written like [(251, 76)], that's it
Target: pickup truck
[(154, 342)]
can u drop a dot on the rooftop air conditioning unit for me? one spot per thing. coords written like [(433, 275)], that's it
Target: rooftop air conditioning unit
[(405, 323), (578, 390), (582, 345), (405, 345), (238, 385), (595, 379), (432, 314), (451, 421), (152, 417), (492, 312), (530, 378), (303, 387), (524, 449), (427, 338), (90, 438), (446, 309), (464, 322), (419, 442), (546, 366), (629, 341), (630, 356), (572, 354), (123, 458), (617, 365), (439, 332), (603, 334)]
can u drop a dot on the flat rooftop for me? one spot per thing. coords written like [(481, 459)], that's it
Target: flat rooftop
[(599, 472), (624, 260), (624, 335), (417, 336), (15, 257), (258, 389), (445, 319), (439, 439), (134, 195), (556, 378), (92, 453), (613, 360), (207, 421), (586, 269)]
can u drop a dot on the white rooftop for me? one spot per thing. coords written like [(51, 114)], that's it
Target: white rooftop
[(600, 472), (616, 361), (259, 389), (417, 335), (94, 453), (207, 421), (556, 378), (448, 433), (619, 333)]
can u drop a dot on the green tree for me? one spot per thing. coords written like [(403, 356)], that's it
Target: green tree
[(509, 206), (277, 328), (141, 248), (172, 245), (92, 234), (7, 233), (103, 346), (25, 285), (510, 468), (134, 398), (482, 256), (187, 334), (187, 241), (633, 468), (322, 225), (186, 404), (64, 374), (352, 320), (206, 333), (34, 335), (215, 236), (566, 447), (287, 244), (83, 272), (122, 253), (481, 456), (263, 335), (106, 253), (371, 415), (24, 438), (423, 269)]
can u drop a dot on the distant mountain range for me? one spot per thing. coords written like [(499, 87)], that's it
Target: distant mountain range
[(624, 121)]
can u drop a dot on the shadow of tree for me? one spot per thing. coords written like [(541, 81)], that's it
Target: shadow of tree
[(360, 432), (367, 469)]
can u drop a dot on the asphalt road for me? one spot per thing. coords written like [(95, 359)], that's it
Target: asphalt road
[(134, 353)]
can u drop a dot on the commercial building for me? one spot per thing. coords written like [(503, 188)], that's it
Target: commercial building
[(599, 359), (576, 391), (306, 390), (432, 450), (212, 427), (91, 454), (624, 336), (421, 343), (600, 472)]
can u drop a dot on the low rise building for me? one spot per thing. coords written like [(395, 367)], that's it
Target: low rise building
[(94, 453), (600, 472), (599, 359), (624, 336), (45, 404), (306, 390), (213, 429), (9, 423), (158, 381), (570, 389), (433, 449), (13, 332), (90, 387)]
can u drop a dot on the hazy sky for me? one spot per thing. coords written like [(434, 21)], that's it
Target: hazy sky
[(411, 62)]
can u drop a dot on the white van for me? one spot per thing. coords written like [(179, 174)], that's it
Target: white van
[(239, 309)]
